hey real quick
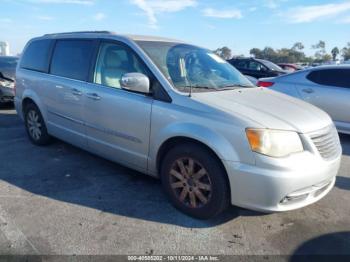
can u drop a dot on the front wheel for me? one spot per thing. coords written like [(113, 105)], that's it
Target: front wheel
[(195, 181)]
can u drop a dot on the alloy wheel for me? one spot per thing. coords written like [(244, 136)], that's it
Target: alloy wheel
[(190, 182), (34, 124)]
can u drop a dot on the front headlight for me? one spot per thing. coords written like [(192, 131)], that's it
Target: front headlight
[(7, 83), (274, 143)]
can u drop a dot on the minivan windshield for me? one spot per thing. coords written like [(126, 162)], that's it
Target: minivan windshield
[(188, 66)]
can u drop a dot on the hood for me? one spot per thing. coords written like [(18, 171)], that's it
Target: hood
[(8, 74), (267, 108)]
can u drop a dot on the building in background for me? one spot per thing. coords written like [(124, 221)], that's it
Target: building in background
[(4, 49)]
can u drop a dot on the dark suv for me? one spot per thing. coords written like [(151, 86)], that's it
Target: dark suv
[(257, 68), (7, 75)]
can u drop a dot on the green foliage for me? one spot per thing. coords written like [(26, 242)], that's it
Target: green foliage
[(284, 55), (224, 52), (320, 48), (298, 46), (335, 52), (296, 54), (346, 52)]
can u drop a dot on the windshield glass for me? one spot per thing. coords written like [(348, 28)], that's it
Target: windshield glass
[(188, 66), (271, 65)]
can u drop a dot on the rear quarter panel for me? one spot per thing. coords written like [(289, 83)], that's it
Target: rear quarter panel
[(287, 84), (31, 84)]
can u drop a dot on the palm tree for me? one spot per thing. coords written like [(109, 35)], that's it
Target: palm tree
[(335, 52)]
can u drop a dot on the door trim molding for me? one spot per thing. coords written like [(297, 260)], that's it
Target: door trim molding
[(101, 129)]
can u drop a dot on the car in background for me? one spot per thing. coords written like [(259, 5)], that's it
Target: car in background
[(315, 64), (7, 76), (303, 65), (327, 87), (257, 68), (290, 67)]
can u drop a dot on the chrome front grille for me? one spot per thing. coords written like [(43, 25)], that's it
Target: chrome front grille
[(327, 142)]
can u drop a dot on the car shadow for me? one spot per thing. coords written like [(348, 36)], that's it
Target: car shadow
[(65, 173), (7, 105), (324, 248), (345, 141), (343, 182)]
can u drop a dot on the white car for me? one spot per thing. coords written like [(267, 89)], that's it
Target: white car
[(327, 87)]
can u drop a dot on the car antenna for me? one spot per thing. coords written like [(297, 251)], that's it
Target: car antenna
[(190, 94)]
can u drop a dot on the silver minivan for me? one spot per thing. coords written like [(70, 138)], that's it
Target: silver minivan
[(178, 112)]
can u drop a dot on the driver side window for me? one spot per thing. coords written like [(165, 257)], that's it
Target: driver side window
[(256, 66), (113, 62)]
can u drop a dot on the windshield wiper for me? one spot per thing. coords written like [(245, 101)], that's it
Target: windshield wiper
[(200, 87), (235, 86)]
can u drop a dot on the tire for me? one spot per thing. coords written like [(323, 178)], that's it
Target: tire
[(35, 126), (213, 186)]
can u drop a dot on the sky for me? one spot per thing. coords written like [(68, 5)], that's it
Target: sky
[(238, 24)]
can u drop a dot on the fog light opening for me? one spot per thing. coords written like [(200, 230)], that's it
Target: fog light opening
[(289, 199)]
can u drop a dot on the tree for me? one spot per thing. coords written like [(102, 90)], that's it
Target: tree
[(284, 55), (256, 52), (298, 46), (321, 50), (326, 58), (346, 52), (224, 52), (335, 52), (269, 53)]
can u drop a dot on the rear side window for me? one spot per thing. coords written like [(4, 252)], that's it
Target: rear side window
[(36, 56), (331, 77), (256, 66), (314, 76), (241, 64), (71, 59)]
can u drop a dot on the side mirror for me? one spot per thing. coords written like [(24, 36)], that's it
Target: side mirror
[(136, 82)]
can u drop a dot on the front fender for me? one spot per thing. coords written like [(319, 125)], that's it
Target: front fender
[(218, 143)]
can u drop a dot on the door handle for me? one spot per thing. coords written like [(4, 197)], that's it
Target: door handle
[(76, 92), (308, 90), (93, 96)]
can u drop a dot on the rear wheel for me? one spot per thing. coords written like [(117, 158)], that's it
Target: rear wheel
[(195, 181), (35, 125)]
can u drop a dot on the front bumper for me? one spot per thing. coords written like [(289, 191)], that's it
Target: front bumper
[(6, 94), (282, 184)]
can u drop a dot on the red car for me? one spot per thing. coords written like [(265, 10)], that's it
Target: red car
[(290, 67)]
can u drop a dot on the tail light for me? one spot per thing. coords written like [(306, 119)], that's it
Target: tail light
[(265, 83)]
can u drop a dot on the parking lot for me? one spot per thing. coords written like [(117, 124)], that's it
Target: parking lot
[(62, 200)]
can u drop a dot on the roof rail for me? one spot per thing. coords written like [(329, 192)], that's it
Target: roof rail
[(81, 32)]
